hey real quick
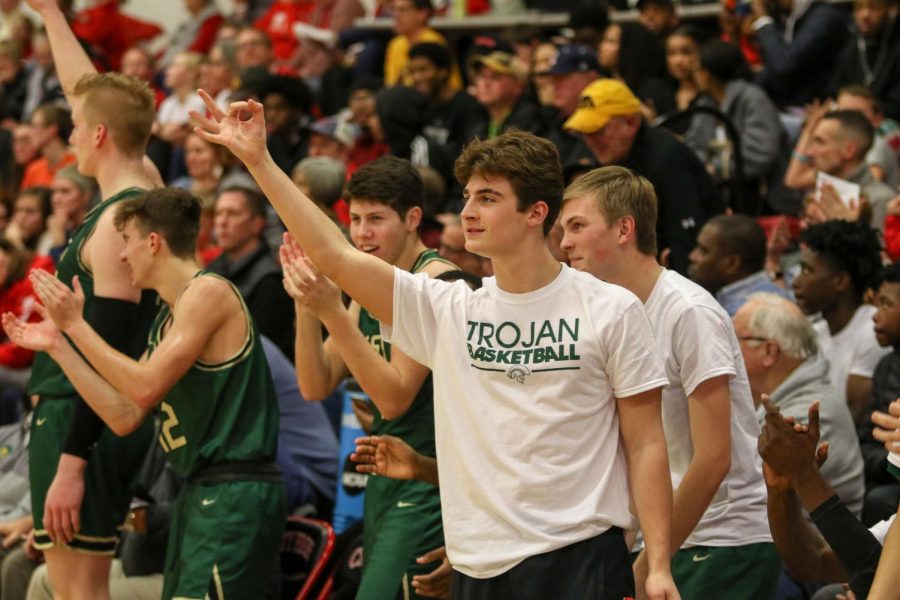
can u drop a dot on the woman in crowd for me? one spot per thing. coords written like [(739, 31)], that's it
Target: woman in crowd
[(17, 296), (634, 55), (28, 225), (71, 197), (724, 74)]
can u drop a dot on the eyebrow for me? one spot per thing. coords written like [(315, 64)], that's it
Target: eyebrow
[(483, 191)]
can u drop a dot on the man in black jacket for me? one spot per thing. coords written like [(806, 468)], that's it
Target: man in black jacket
[(247, 262), (871, 56), (609, 117)]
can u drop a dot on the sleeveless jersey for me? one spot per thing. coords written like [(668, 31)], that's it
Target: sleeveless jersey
[(47, 378), (416, 426), (224, 412)]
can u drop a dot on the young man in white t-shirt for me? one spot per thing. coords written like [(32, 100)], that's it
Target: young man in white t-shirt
[(545, 381), (839, 261), (720, 537)]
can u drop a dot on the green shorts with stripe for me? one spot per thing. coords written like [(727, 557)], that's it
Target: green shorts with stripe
[(402, 521), (109, 478), (746, 572), (224, 540)]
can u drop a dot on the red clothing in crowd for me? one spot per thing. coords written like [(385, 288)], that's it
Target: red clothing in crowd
[(279, 21), (111, 32), (39, 172), (19, 298), (206, 35), (892, 236)]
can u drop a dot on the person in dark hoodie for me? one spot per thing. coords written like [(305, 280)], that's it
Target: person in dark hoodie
[(871, 56), (288, 102), (401, 116)]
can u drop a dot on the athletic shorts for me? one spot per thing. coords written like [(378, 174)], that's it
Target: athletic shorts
[(738, 572), (402, 521), (224, 540), (109, 478), (598, 568)]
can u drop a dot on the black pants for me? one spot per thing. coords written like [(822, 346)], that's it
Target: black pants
[(598, 568)]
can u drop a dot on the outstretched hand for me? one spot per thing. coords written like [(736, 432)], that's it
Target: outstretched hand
[(40, 337), (385, 455), (245, 138), (64, 306)]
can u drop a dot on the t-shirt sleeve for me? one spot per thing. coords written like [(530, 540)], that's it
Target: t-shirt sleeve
[(866, 359), (701, 345), (633, 365), (415, 319)]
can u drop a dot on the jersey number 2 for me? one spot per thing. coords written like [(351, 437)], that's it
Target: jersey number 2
[(168, 442)]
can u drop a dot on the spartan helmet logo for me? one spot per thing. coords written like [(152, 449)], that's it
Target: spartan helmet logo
[(518, 372)]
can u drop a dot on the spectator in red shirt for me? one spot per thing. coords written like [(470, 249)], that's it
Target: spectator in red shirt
[(139, 63), (110, 32), (51, 125), (279, 21), (18, 297)]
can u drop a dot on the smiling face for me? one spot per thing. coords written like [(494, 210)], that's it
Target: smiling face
[(492, 222), (590, 243), (67, 197), (136, 254), (200, 158), (379, 230)]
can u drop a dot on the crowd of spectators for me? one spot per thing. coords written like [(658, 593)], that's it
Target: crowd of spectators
[(770, 138)]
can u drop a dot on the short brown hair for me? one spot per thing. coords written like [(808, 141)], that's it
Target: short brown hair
[(171, 212), (529, 163), (619, 193), (124, 104), (388, 180)]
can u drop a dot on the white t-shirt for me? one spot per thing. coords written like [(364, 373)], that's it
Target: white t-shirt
[(696, 341), (172, 110), (851, 351), (881, 528), (526, 425)]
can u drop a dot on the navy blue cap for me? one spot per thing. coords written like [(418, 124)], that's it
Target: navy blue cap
[(573, 58)]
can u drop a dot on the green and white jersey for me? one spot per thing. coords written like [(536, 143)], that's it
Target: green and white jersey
[(47, 378), (224, 412), (416, 426)]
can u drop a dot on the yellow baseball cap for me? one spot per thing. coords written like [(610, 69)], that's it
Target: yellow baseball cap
[(599, 102)]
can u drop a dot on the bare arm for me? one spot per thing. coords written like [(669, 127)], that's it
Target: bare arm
[(316, 233), (887, 578), (640, 423), (800, 173), (207, 302), (114, 408), (806, 555), (319, 367), (389, 456), (71, 61), (391, 384), (710, 420)]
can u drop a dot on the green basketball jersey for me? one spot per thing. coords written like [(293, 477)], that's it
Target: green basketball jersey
[(225, 412), (416, 426), (47, 378)]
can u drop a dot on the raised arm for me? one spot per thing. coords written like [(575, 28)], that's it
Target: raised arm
[(72, 62), (368, 280)]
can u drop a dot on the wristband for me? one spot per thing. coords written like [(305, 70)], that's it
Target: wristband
[(801, 158)]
